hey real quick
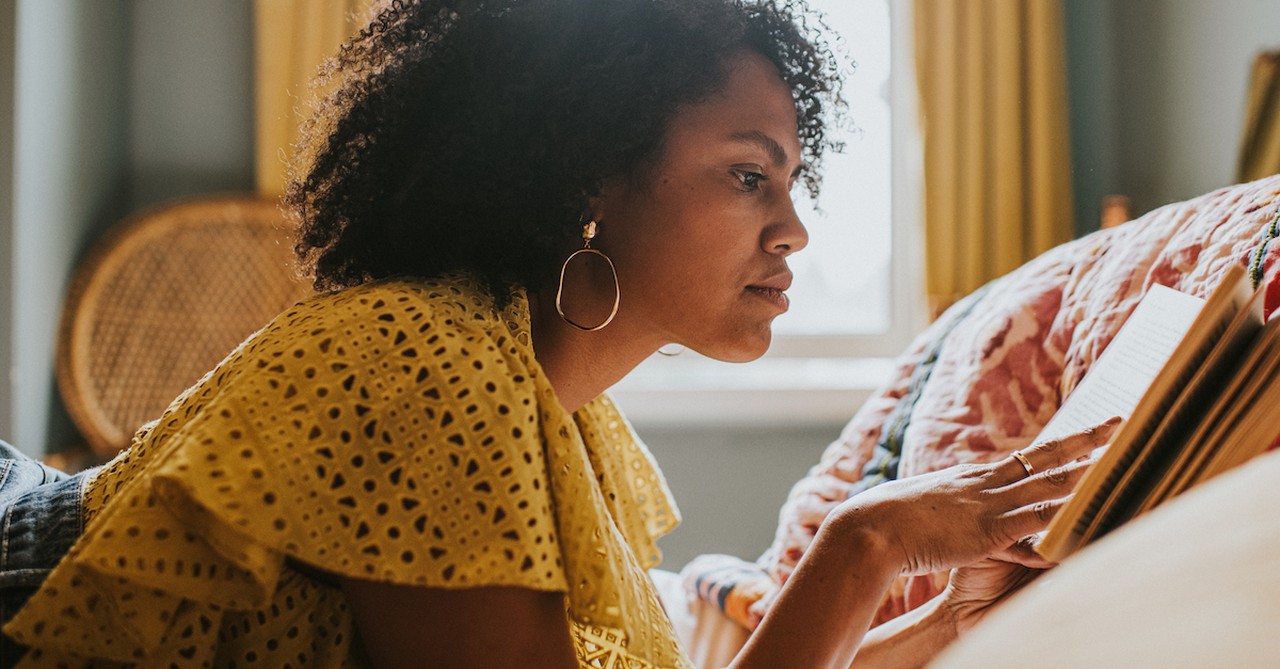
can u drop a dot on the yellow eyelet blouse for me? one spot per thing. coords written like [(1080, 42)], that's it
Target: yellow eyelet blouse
[(399, 431)]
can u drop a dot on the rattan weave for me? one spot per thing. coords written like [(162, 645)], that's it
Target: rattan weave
[(160, 300)]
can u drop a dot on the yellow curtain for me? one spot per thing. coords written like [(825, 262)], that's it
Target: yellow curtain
[(1260, 146), (291, 39), (993, 105)]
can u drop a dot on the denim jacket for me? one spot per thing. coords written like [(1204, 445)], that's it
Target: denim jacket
[(42, 517)]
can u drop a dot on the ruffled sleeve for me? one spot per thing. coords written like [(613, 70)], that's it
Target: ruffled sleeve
[(379, 433), (638, 497)]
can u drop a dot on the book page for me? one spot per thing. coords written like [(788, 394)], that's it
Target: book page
[(1076, 522), (1124, 371), (1122, 488)]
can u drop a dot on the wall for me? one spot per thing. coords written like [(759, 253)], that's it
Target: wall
[(1158, 91), (191, 98), (119, 105), (1090, 39), (1181, 76), (730, 482), (69, 179), (8, 77)]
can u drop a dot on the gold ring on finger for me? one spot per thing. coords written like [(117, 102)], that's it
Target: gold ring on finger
[(1024, 461)]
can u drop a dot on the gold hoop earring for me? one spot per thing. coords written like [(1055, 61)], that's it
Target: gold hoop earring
[(588, 233)]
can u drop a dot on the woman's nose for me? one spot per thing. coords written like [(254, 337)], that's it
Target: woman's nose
[(788, 234)]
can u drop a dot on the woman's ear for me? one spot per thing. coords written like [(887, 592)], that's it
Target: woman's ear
[(604, 202)]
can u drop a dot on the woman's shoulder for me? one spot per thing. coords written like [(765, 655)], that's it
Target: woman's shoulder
[(380, 344), (454, 302), (385, 347), (431, 320)]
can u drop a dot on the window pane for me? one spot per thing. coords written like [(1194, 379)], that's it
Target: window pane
[(842, 279)]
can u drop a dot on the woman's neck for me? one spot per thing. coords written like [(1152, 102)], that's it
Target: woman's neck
[(581, 365)]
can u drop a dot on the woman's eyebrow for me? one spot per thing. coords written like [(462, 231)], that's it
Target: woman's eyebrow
[(777, 154)]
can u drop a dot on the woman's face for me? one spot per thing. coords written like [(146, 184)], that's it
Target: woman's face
[(701, 246)]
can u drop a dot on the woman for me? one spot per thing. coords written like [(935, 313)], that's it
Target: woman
[(510, 204)]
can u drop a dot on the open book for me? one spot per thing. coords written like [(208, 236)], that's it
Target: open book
[(1198, 382)]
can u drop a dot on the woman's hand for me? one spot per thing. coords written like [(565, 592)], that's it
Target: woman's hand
[(976, 589), (918, 525), (963, 514)]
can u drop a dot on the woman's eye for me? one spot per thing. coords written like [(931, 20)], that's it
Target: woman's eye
[(748, 180)]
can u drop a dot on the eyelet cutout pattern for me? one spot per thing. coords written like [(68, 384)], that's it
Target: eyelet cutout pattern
[(399, 431)]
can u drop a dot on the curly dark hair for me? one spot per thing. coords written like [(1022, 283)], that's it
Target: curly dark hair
[(470, 134)]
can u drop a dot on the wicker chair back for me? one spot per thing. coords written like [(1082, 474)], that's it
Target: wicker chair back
[(160, 300)]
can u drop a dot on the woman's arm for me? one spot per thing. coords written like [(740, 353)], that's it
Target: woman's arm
[(922, 524), (908, 641), (914, 638), (822, 613), (404, 626), (819, 620)]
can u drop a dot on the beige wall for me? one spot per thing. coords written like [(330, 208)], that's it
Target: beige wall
[(1157, 95), (730, 482), (1181, 74)]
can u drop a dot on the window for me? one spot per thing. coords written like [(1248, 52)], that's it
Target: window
[(856, 298)]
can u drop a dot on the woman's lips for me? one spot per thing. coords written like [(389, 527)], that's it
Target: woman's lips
[(775, 296)]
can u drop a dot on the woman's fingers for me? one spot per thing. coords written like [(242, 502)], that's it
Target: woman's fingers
[(1049, 484), (1042, 478), (1023, 552), (1029, 519), (1036, 500), (1056, 452), (955, 516)]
